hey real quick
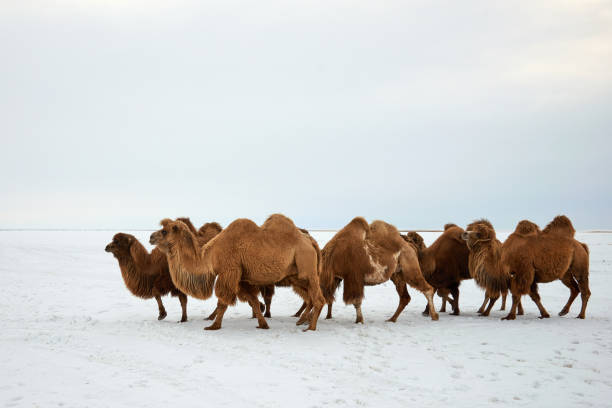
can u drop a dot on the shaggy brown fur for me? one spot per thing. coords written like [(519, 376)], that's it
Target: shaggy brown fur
[(485, 262), (207, 232), (145, 275), (363, 255), (243, 257), (444, 263), (533, 257)]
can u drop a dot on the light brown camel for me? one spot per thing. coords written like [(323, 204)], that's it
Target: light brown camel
[(242, 257), (207, 232), (485, 255), (365, 255), (145, 275), (533, 257)]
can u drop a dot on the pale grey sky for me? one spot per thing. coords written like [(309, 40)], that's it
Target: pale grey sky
[(117, 113)]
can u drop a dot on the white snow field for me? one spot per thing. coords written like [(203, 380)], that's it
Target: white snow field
[(74, 336)]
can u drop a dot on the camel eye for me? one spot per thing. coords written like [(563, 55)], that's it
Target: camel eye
[(164, 232)]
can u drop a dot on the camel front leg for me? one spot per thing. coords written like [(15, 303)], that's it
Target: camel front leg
[(484, 304), (305, 317), (183, 299), (504, 296), (585, 294), (329, 310), (515, 302), (535, 296), (162, 309), (220, 311), (491, 303), (455, 302), (411, 274), (300, 310), (214, 313), (267, 292)]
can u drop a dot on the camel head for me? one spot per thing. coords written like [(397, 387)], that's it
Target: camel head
[(415, 239), (170, 235), (120, 245), (478, 232)]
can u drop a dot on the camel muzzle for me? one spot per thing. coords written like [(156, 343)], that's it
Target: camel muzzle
[(465, 236), (152, 239), (108, 248)]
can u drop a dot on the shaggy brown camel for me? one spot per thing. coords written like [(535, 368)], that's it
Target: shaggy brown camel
[(444, 263), (242, 257), (145, 275), (485, 255), (365, 255), (533, 257), (207, 232)]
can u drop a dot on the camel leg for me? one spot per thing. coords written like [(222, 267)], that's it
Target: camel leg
[(329, 310), (455, 301), (535, 296), (568, 280), (585, 294), (425, 312), (359, 315), (515, 302), (300, 310), (305, 314), (491, 303), (443, 307), (412, 275), (520, 308), (404, 297), (214, 313), (267, 293), (183, 299), (162, 309), (504, 296), (484, 304), (220, 311)]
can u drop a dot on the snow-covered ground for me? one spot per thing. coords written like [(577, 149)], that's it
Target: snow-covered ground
[(73, 335)]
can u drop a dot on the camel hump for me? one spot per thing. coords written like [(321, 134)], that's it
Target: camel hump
[(278, 222), (560, 225), (526, 227), (210, 227), (415, 239), (359, 222), (187, 222), (449, 225), (482, 221)]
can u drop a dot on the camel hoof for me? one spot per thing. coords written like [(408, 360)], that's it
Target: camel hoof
[(580, 316), (263, 327), (162, 316), (509, 317), (267, 315), (328, 317), (213, 327), (392, 320), (454, 314), (563, 312), (435, 317), (306, 329), (297, 315), (359, 321), (182, 320), (546, 316), (425, 313)]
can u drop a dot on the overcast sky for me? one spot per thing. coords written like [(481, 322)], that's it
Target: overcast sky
[(117, 113)]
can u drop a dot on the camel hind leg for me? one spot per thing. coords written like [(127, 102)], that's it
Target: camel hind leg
[(411, 273), (249, 293), (568, 280), (585, 294), (484, 304), (183, 299), (306, 262), (162, 309), (404, 297), (504, 295), (300, 310)]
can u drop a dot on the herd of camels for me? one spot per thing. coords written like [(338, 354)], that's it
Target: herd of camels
[(245, 260)]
